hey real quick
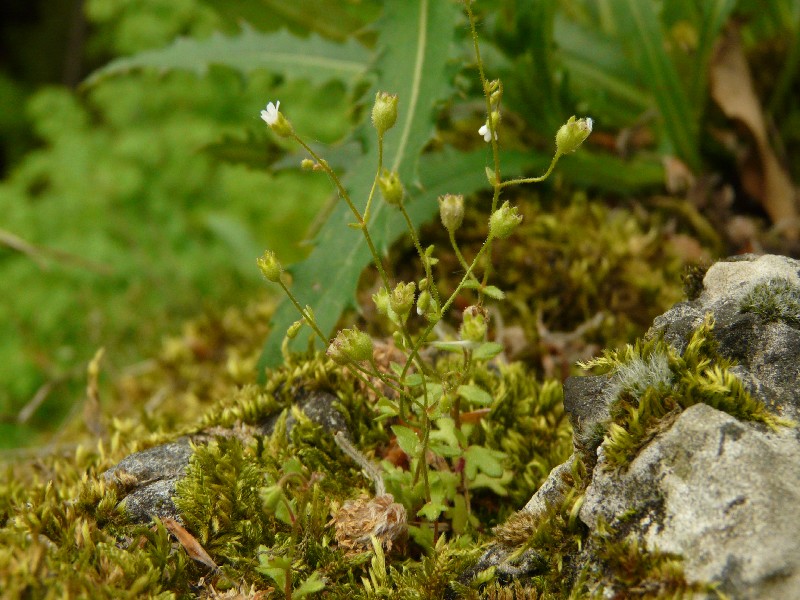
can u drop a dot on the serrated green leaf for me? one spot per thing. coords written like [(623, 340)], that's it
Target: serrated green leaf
[(484, 460), (312, 584), (414, 46), (431, 510), (311, 58), (476, 395)]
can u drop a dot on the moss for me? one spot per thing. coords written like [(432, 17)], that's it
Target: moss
[(569, 260), (652, 383), (630, 569), (774, 300)]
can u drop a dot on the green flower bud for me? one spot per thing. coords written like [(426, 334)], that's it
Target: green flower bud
[(391, 188), (473, 327), (572, 134), (402, 298), (294, 328), (384, 112), (504, 221), (350, 345), (451, 211), (381, 300), (307, 164), (423, 302), (270, 267)]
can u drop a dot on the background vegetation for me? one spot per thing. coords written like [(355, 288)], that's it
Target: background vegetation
[(142, 197)]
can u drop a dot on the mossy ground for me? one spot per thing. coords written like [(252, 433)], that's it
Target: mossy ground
[(62, 533)]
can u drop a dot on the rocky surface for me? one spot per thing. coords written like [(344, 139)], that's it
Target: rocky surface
[(722, 494), (148, 478)]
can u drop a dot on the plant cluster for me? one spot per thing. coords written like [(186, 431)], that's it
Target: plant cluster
[(433, 401)]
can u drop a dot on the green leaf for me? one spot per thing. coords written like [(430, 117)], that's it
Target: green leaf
[(414, 47), (431, 510), (490, 290), (487, 351), (715, 14), (311, 58), (476, 395), (641, 31), (313, 583), (406, 439), (332, 19), (482, 459)]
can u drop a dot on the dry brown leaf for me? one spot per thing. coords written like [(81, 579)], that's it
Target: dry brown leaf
[(189, 542), (732, 89)]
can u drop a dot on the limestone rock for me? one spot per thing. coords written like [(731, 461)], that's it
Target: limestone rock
[(720, 494), (723, 494)]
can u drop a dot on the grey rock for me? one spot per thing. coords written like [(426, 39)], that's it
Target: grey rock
[(149, 477), (721, 493)]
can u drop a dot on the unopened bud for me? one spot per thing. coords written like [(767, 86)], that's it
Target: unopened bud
[(384, 112), (381, 300), (423, 302), (504, 221), (572, 134), (391, 188), (473, 327), (451, 211), (294, 328), (350, 345), (269, 266), (307, 164), (402, 299)]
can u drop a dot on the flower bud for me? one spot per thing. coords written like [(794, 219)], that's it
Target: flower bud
[(350, 345), (294, 328), (384, 112), (451, 211), (270, 267), (402, 299), (504, 221), (307, 164), (473, 327), (572, 134), (391, 188), (381, 300), (423, 302), (275, 119)]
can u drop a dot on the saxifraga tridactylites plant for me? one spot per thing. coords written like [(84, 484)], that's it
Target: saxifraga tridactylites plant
[(428, 402)]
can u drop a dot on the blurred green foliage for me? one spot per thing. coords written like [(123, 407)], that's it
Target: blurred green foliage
[(157, 229), (140, 191)]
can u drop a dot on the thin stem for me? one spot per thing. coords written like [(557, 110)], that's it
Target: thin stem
[(447, 304), (375, 181), (311, 322), (539, 179), (425, 262), (460, 256), (490, 122), (343, 193)]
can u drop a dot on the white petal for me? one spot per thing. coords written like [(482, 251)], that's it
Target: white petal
[(589, 123)]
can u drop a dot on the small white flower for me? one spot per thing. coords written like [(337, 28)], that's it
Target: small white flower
[(487, 135), (270, 115), (589, 123)]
